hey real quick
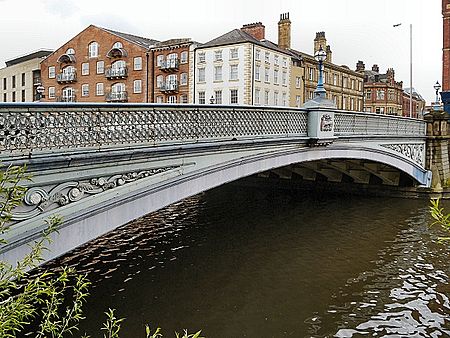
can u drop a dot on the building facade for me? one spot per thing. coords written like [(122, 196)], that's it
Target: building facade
[(418, 104), (382, 94), (446, 46), (241, 67), (21, 76), (172, 60), (100, 65)]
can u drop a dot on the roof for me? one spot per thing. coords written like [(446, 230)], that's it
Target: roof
[(415, 93), (34, 55), (138, 40)]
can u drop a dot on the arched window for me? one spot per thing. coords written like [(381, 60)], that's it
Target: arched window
[(93, 49), (118, 87), (70, 51), (118, 44), (159, 81)]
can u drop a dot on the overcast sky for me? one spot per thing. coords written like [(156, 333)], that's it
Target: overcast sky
[(355, 29)]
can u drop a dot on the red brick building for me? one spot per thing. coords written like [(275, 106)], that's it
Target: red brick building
[(418, 104), (171, 61), (100, 65), (446, 46)]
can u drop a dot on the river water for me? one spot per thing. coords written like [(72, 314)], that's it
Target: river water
[(247, 262)]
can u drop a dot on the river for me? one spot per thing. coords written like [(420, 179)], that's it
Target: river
[(247, 262)]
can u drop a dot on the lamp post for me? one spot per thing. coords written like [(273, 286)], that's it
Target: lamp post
[(437, 87), (320, 57), (40, 92)]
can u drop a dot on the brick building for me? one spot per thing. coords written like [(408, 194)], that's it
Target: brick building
[(382, 94), (21, 76), (418, 103), (172, 60), (446, 46), (100, 65)]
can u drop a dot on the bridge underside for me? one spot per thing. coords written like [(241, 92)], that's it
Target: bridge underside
[(95, 193)]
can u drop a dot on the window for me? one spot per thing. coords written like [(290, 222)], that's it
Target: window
[(51, 92), (184, 57), (4, 84), (93, 50), (276, 60), (201, 75), (298, 82), (233, 72), (285, 62), (344, 102), (159, 60), (266, 74), (335, 79), (70, 51), (344, 82), (266, 97), (257, 95), (218, 73), (14, 81), (353, 84), (267, 57), (137, 86), (218, 55), (368, 94), (257, 73), (23, 79), (99, 91), (275, 98), (233, 96), (85, 90), (283, 78), (23, 95), (4, 97), (51, 72), (380, 94), (184, 98), (201, 97), (257, 55), (13, 96), (310, 74), (275, 76), (283, 99), (218, 96), (137, 63), (159, 81), (325, 77), (352, 104), (100, 67), (160, 99), (172, 99), (183, 79), (201, 57), (298, 101), (118, 44), (234, 53), (85, 68)]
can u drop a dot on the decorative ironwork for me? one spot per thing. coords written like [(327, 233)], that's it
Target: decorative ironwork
[(415, 152), (326, 123), (116, 73), (73, 191), (26, 127)]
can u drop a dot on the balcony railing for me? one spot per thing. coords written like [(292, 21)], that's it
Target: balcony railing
[(66, 77), (67, 98), (169, 65), (116, 73), (170, 86), (117, 96)]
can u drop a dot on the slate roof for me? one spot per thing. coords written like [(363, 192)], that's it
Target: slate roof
[(138, 40), (31, 56)]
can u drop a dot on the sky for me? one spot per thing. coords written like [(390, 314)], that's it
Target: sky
[(355, 29)]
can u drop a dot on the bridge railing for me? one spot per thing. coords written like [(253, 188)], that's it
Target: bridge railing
[(49, 127), (363, 124)]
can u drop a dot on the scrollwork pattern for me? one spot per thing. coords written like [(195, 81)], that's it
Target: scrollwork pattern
[(415, 152)]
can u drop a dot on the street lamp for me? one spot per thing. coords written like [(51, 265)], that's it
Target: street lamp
[(320, 57), (437, 87), (40, 92)]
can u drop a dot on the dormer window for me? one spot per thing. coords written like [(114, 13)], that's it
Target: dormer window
[(93, 50)]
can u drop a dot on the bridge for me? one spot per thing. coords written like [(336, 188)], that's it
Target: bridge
[(100, 166)]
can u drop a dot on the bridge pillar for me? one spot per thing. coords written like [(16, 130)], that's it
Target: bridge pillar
[(437, 157)]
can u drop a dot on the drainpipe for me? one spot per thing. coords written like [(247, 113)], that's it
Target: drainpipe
[(146, 77), (253, 73), (193, 76)]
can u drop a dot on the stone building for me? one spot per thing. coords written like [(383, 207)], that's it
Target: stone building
[(242, 67), (172, 60), (382, 94), (100, 65), (21, 76), (343, 85)]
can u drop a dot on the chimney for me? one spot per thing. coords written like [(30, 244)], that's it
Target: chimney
[(375, 68), (284, 31), (257, 30), (360, 66), (329, 54), (320, 41)]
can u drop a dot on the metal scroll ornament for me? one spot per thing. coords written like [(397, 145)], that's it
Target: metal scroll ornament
[(415, 152), (70, 192)]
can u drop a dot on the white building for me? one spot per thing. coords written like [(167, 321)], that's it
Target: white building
[(241, 68), (18, 80)]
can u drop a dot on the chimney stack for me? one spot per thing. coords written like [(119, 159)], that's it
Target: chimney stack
[(360, 66), (329, 54), (284, 31), (257, 30), (320, 41), (375, 68)]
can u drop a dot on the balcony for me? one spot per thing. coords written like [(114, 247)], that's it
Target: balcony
[(67, 98), (116, 73), (169, 87), (117, 96), (169, 65), (66, 77)]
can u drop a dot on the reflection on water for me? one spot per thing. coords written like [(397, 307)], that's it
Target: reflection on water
[(238, 262)]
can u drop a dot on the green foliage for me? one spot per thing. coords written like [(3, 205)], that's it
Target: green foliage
[(158, 334), (441, 219)]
